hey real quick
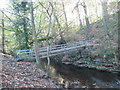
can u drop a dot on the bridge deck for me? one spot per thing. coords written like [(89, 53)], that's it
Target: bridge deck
[(55, 49)]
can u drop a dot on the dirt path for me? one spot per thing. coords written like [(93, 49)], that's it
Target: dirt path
[(23, 75)]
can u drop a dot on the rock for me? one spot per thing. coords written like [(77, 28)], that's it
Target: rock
[(94, 84), (84, 86), (118, 82), (67, 62), (74, 83), (52, 81), (65, 58), (97, 60), (80, 62), (61, 85), (45, 77), (108, 65), (20, 59)]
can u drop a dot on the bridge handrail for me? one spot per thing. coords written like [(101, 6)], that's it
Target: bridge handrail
[(31, 52)]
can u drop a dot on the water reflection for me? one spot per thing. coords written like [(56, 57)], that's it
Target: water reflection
[(69, 76)]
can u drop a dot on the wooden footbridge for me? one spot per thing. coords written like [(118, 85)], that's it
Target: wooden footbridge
[(55, 49)]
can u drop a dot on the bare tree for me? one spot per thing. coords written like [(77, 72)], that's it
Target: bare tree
[(118, 33), (78, 12), (105, 17), (49, 11), (36, 48), (66, 21), (83, 4), (49, 29), (62, 41), (86, 18), (96, 9), (3, 34), (60, 31)]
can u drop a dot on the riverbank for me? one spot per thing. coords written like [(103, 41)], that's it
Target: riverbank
[(81, 60), (24, 75), (96, 64), (85, 60)]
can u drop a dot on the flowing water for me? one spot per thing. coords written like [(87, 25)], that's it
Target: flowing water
[(70, 76)]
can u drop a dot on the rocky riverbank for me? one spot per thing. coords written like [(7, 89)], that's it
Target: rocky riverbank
[(76, 59), (96, 64), (85, 60)]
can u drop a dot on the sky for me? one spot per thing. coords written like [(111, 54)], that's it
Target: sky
[(71, 16), (4, 3)]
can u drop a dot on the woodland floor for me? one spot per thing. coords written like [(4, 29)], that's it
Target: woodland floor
[(23, 75)]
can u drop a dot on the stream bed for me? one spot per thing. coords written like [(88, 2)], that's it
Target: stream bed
[(71, 76)]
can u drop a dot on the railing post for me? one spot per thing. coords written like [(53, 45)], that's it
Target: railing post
[(30, 52), (50, 48)]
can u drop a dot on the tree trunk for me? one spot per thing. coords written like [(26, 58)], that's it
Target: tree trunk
[(87, 20), (25, 33), (3, 34), (25, 26), (47, 40), (80, 21), (96, 9), (119, 34), (105, 18), (66, 22), (36, 48), (59, 27)]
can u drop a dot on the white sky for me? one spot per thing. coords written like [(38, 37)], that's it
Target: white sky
[(68, 8), (3, 3)]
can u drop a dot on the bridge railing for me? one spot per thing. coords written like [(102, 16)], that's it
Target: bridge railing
[(43, 50)]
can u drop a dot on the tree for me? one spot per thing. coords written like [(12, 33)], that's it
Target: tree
[(86, 19), (59, 27), (105, 17), (62, 41), (25, 24), (112, 7), (3, 34), (96, 9), (78, 12), (49, 13), (21, 24), (66, 21), (118, 34), (83, 4), (36, 48)]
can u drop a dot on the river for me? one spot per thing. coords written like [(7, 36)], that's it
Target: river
[(71, 76)]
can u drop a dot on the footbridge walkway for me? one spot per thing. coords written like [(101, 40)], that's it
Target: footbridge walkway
[(56, 49)]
